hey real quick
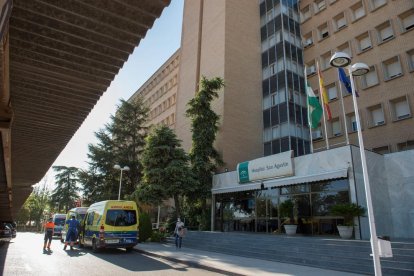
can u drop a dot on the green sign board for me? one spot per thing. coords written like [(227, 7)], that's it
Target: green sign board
[(243, 170)]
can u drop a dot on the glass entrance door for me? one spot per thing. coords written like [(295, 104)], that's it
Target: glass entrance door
[(266, 211)]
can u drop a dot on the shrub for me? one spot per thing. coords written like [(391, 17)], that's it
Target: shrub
[(348, 211), (145, 227), (158, 236)]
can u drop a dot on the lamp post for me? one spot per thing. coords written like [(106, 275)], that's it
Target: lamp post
[(125, 168), (340, 59)]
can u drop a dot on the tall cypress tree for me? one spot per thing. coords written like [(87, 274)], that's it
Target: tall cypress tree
[(204, 126)]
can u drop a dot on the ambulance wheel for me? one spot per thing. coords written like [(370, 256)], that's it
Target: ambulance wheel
[(61, 240), (128, 249), (81, 245), (94, 246)]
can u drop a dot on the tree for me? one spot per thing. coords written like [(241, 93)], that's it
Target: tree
[(65, 194), (128, 134), (35, 206), (99, 182), (204, 126), (120, 142), (166, 172)]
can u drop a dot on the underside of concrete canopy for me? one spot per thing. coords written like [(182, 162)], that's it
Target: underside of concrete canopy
[(57, 58)]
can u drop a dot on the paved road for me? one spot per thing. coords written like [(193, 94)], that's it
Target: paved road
[(25, 256)]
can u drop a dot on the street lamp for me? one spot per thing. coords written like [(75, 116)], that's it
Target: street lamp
[(340, 59), (117, 167)]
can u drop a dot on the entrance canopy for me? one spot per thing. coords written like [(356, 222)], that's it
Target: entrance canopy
[(272, 183), (57, 59)]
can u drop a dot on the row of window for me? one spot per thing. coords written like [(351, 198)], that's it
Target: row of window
[(169, 121), (160, 76), (357, 10), (299, 146), (383, 32), (399, 109), (162, 107), (391, 68), (162, 90)]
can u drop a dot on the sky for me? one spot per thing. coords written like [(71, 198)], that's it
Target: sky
[(160, 42)]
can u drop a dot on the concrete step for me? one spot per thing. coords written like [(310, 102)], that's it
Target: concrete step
[(337, 254)]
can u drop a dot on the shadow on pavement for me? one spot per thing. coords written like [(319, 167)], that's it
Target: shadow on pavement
[(133, 261), (75, 252), (4, 246)]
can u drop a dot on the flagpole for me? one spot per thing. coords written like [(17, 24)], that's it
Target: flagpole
[(323, 106), (343, 109), (307, 105)]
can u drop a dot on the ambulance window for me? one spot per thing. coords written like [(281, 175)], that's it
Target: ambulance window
[(121, 217), (90, 218)]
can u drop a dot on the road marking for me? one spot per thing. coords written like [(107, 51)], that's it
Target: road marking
[(28, 268)]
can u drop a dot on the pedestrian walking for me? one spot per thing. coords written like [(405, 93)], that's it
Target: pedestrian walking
[(179, 232), (49, 228), (72, 234)]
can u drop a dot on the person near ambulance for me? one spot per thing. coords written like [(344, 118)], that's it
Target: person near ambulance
[(49, 228), (71, 236), (179, 232)]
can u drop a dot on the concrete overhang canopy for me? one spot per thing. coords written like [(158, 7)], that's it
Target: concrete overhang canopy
[(63, 55)]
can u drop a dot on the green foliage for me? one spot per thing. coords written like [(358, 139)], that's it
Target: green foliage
[(65, 194), (348, 211), (286, 210), (145, 227), (205, 159), (166, 172), (158, 236), (120, 142), (35, 207), (204, 126)]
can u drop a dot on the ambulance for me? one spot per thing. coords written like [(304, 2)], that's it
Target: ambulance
[(110, 224), (79, 213)]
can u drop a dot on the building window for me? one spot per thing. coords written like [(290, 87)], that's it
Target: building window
[(364, 42), (339, 21), (305, 13), (332, 91), (323, 31), (351, 122), (267, 134), (307, 40), (345, 48), (358, 11), (392, 68), (410, 58), (408, 145), (370, 79), (376, 115), (310, 68), (317, 133), (382, 150), (407, 20), (336, 127), (325, 58), (319, 5), (385, 32), (400, 108), (375, 4)]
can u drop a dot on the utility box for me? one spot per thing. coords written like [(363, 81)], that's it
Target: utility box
[(384, 246)]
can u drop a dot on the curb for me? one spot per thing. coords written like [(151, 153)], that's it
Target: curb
[(189, 263)]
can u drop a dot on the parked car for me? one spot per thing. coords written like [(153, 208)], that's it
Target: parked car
[(12, 225), (5, 232), (59, 221)]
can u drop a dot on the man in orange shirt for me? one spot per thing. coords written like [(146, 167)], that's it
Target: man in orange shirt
[(49, 228)]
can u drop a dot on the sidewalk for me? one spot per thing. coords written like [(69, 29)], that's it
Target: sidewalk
[(229, 264)]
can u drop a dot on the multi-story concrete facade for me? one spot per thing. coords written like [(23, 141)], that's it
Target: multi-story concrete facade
[(260, 48), (379, 33), (159, 93)]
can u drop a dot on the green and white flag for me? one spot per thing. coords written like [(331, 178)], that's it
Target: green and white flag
[(314, 108)]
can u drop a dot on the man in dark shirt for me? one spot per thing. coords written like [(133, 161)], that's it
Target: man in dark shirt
[(71, 236)]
